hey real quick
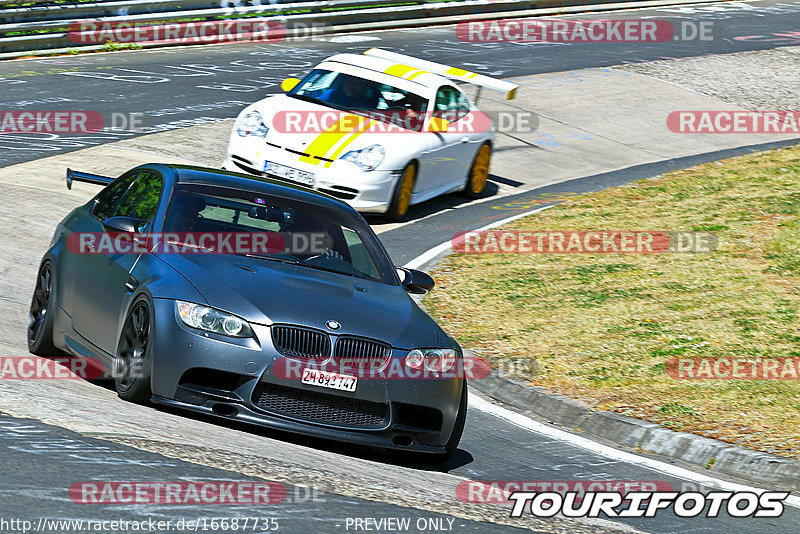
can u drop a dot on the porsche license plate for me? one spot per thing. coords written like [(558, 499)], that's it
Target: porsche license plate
[(289, 173), (325, 379)]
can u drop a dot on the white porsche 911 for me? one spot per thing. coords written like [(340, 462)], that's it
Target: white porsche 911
[(380, 130)]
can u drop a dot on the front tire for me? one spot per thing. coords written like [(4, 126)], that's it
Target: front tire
[(40, 316), (479, 172), (401, 199), (133, 362)]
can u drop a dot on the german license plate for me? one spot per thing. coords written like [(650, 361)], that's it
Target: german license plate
[(325, 379), (289, 173)]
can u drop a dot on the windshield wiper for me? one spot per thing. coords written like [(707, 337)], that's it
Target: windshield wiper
[(189, 245), (309, 99), (271, 258), (300, 263), (324, 103)]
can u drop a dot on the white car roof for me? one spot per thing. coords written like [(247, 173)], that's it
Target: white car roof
[(403, 76)]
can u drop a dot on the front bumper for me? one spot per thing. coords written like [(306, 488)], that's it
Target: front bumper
[(227, 377), (366, 191)]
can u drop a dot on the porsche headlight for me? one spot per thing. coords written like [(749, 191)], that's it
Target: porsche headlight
[(434, 360), (366, 158), (251, 124), (212, 320)]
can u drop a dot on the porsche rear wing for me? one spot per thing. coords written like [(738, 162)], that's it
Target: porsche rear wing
[(510, 89), (76, 176)]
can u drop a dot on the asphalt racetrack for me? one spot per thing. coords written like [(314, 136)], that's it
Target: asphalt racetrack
[(54, 435)]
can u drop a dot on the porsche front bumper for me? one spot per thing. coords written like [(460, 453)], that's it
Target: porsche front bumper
[(366, 191)]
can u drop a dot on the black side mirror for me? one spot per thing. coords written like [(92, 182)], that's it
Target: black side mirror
[(415, 281), (123, 224)]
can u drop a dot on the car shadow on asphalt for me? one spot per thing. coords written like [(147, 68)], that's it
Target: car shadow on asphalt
[(436, 205), (401, 458)]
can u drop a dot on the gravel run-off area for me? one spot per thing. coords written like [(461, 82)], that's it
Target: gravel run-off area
[(762, 80)]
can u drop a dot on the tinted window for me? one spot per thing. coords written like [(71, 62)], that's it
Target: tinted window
[(109, 198), (141, 197), (450, 103), (343, 242), (378, 100)]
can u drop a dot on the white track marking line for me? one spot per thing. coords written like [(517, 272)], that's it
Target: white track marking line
[(610, 452), (531, 425), (425, 257)]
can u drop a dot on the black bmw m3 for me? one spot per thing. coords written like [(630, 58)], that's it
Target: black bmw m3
[(161, 279)]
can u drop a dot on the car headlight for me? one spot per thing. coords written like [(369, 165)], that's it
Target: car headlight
[(212, 320), (366, 158), (434, 360), (252, 124)]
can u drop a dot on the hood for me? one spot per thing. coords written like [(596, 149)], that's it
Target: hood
[(267, 292), (293, 124)]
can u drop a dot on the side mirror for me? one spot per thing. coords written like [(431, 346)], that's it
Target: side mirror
[(123, 224), (288, 84), (438, 125), (415, 281)]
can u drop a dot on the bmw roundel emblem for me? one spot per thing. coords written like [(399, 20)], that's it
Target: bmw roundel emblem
[(333, 325)]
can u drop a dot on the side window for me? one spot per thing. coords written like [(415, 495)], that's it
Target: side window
[(141, 198), (463, 104), (109, 198), (450, 104)]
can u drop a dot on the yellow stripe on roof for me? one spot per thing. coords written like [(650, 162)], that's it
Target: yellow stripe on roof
[(461, 73), (404, 71)]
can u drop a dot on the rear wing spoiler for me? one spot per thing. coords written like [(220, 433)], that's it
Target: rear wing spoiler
[(510, 89), (76, 176)]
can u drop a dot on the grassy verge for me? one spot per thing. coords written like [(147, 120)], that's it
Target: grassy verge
[(601, 327)]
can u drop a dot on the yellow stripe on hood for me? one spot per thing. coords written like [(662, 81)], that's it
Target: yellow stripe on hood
[(326, 140)]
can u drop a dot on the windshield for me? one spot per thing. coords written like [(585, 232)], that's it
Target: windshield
[(366, 97), (275, 228)]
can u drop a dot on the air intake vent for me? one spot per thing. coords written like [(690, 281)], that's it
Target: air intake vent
[(301, 342), (318, 407)]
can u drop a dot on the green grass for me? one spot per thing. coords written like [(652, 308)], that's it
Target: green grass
[(601, 327)]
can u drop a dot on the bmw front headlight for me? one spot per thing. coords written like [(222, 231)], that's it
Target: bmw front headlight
[(212, 320), (251, 124), (433, 360), (367, 158)]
